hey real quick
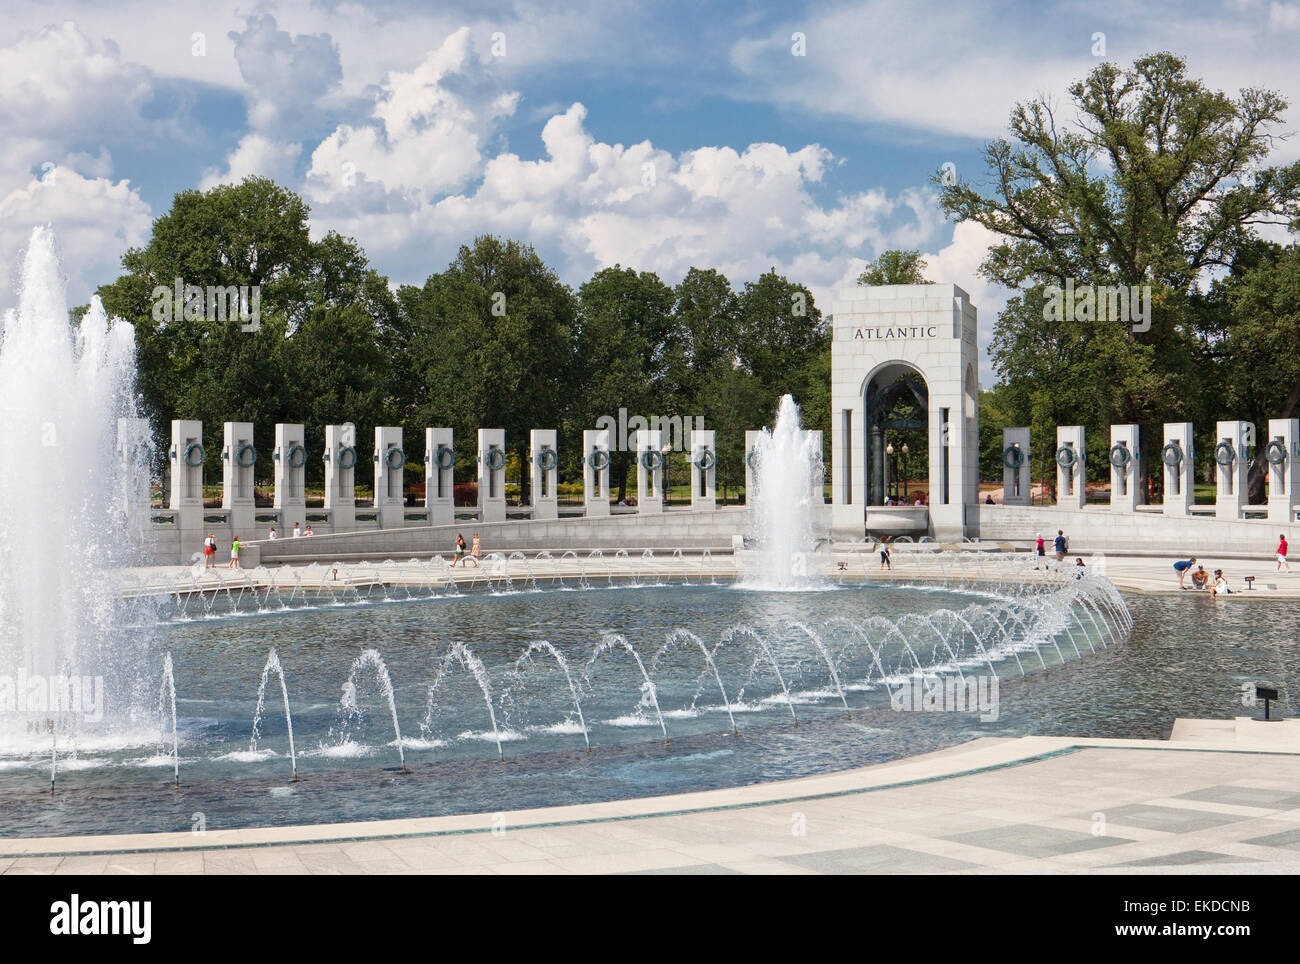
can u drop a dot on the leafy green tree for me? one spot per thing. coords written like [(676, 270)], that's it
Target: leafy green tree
[(627, 340), (782, 340), (195, 363), (1159, 180), (895, 268), (490, 345)]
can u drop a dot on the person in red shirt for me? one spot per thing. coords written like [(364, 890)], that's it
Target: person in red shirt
[(1281, 553)]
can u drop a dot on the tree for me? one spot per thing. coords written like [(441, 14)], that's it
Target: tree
[(490, 344), (895, 268), (1158, 181), (1257, 351), (783, 342), (202, 361), (627, 337)]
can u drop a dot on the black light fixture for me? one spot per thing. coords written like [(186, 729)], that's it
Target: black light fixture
[(1267, 694)]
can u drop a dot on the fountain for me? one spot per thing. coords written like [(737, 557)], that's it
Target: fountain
[(781, 519), (68, 499), (459, 653), (166, 699), (273, 666), (541, 645), (680, 635), (350, 705)]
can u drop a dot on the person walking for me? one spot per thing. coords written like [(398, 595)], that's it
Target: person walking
[(1181, 567), (1061, 545), (234, 554), (297, 530), (476, 550), (210, 552), (1040, 547), (885, 562), (461, 556), (1281, 553), (273, 533)]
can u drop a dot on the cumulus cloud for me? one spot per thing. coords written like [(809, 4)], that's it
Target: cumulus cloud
[(95, 220), (425, 135), (588, 204), (285, 75), (256, 154), (58, 87)]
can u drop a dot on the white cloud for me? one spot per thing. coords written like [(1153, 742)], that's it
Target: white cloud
[(95, 221), (588, 204), (425, 137), (256, 154), (57, 88), (285, 75)]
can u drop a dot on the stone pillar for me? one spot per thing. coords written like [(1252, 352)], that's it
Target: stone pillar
[(1071, 478), (818, 493), (341, 477), (1282, 450), (649, 473), (440, 476), (390, 490), (751, 463), (1178, 468), (238, 458), (492, 474), (290, 459), (1123, 458), (1231, 463), (132, 450), (704, 469), (544, 474), (186, 495), (1017, 466), (595, 472)]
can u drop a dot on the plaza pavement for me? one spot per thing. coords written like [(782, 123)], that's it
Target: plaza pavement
[(976, 563), (1219, 798)]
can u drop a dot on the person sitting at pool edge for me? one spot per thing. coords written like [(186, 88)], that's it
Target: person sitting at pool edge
[(1200, 578), (1220, 584)]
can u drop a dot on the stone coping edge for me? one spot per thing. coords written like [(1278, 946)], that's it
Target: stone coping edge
[(1025, 750)]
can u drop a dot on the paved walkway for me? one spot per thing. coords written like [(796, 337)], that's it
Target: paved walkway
[(970, 562), (1032, 805)]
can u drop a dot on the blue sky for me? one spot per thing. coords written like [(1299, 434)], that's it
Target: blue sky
[(657, 135)]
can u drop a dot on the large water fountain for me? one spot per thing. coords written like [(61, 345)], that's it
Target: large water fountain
[(787, 470), (64, 512)]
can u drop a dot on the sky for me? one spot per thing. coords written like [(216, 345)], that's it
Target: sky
[(736, 135)]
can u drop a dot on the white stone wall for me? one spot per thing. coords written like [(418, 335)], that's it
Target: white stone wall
[(1096, 529)]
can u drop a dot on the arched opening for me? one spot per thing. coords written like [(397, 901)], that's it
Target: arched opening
[(896, 404)]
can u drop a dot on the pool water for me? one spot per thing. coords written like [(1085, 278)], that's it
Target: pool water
[(1184, 657)]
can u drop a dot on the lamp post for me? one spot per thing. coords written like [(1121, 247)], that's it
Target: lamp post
[(904, 471), (668, 488), (892, 490)]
